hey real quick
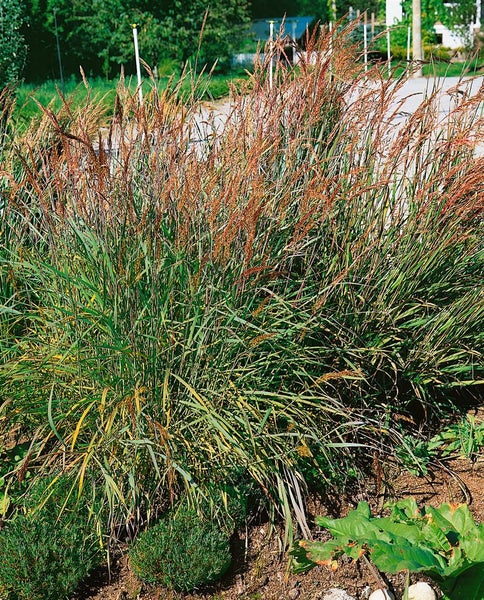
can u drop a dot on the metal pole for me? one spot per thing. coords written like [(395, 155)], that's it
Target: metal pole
[(389, 54), (58, 50), (365, 41), (271, 40), (138, 65), (409, 38)]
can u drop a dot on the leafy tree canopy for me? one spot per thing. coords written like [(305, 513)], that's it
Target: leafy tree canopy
[(321, 9), (12, 44), (97, 34), (456, 16)]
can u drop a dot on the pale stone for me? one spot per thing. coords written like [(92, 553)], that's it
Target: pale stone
[(381, 594), (337, 594), (421, 591)]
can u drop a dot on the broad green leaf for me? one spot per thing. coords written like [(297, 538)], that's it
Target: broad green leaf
[(309, 554), (323, 552), (391, 558), (409, 532), (472, 543), (469, 585), (355, 528), (406, 509), (454, 519), (435, 538)]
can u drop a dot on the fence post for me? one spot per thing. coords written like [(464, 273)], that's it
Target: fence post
[(138, 66)]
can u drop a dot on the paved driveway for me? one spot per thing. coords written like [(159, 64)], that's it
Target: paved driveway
[(212, 116), (415, 90)]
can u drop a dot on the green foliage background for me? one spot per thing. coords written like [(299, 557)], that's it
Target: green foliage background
[(12, 45), (97, 35)]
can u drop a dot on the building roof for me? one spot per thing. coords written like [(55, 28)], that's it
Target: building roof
[(293, 27)]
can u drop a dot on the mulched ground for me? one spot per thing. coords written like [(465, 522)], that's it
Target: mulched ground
[(260, 571)]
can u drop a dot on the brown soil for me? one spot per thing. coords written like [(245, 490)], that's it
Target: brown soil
[(260, 571)]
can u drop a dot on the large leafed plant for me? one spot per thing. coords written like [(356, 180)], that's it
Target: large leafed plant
[(444, 543)]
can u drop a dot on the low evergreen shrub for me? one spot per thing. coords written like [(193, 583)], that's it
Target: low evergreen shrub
[(181, 552), (45, 553), (44, 560)]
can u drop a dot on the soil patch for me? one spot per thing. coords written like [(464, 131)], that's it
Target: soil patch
[(260, 569)]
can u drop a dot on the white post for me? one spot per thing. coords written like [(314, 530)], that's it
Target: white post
[(417, 37), (389, 54), (409, 38), (271, 57), (138, 66), (333, 11), (365, 41), (475, 27)]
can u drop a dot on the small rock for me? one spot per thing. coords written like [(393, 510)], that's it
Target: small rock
[(293, 594), (421, 591), (337, 594), (381, 594), (365, 594), (239, 585)]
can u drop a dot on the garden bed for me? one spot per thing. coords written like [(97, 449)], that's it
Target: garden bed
[(260, 571)]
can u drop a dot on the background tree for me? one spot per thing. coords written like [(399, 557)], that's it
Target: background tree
[(97, 34), (225, 27), (458, 16), (94, 34), (41, 62), (261, 9), (12, 44)]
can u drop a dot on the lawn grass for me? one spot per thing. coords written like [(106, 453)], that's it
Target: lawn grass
[(440, 69), (180, 321), (50, 93)]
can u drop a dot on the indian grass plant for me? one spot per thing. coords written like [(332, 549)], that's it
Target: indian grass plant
[(191, 298)]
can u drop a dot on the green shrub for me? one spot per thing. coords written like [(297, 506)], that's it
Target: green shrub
[(47, 551), (438, 52), (181, 552), (41, 559)]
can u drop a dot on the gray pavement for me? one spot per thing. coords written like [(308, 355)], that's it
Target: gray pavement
[(211, 118), (416, 89)]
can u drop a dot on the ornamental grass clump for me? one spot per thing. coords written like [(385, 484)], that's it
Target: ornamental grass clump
[(181, 552), (185, 299)]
